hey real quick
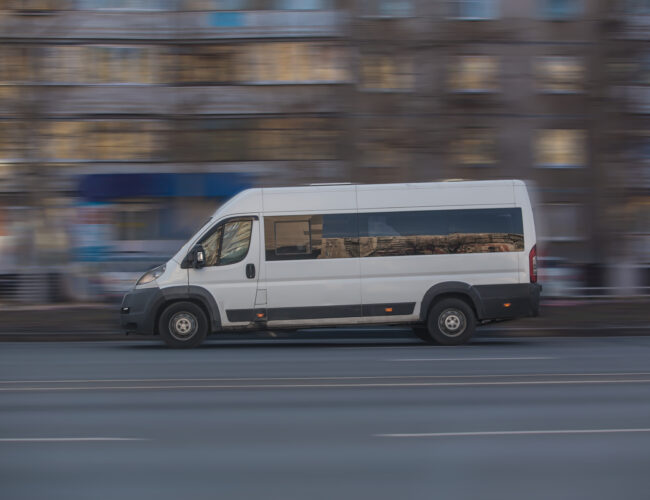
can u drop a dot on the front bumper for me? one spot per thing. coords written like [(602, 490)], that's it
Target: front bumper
[(138, 310)]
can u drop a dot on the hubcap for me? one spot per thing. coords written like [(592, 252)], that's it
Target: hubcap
[(183, 326), (452, 322)]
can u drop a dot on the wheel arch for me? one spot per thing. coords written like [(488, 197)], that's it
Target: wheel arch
[(450, 289), (194, 294)]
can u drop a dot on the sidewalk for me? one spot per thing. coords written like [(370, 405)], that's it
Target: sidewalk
[(101, 322)]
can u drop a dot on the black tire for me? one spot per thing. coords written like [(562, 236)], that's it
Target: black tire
[(183, 325), (451, 322), (422, 333)]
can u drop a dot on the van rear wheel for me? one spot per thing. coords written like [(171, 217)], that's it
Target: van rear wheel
[(183, 325), (451, 322)]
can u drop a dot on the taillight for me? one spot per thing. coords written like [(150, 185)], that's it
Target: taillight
[(532, 264)]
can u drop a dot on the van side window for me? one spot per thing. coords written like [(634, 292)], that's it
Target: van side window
[(385, 234), (292, 237), (228, 244), (299, 237), (427, 232), (211, 246), (235, 242)]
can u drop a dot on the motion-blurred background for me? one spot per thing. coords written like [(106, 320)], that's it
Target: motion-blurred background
[(125, 123)]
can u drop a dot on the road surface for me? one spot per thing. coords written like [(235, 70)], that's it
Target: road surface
[(516, 418)]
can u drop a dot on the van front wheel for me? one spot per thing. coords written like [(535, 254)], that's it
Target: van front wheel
[(183, 325), (451, 322)]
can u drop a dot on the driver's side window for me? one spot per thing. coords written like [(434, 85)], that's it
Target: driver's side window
[(228, 244)]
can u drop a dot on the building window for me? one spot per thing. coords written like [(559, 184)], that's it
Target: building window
[(474, 74), (259, 63), (120, 65), (559, 74), (210, 64), (387, 8), (215, 5), (102, 140), (82, 64), (387, 72), (296, 62), (11, 143), (126, 4), (561, 10), (233, 5), (37, 5), (303, 4), (562, 222), (475, 147), (473, 9), (18, 64), (102, 64), (559, 148)]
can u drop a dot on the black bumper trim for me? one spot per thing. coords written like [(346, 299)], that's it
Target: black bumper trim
[(138, 310), (507, 301), (321, 312)]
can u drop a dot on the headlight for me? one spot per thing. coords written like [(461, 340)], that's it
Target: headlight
[(151, 275)]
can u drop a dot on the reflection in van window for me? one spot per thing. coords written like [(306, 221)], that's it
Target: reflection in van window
[(236, 240), (292, 238), (211, 247), (441, 232), (328, 236), (383, 234), (228, 243)]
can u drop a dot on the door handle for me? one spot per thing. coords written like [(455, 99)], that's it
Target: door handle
[(250, 271)]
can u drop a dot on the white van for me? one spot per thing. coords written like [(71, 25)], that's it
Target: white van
[(442, 257)]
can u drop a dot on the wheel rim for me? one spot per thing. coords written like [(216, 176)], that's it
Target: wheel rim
[(452, 322), (183, 326)]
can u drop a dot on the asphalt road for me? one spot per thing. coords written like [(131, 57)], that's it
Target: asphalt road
[(502, 419)]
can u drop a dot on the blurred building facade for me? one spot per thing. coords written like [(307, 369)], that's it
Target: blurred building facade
[(124, 123)]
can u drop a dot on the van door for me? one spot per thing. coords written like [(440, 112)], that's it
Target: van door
[(231, 270), (311, 269)]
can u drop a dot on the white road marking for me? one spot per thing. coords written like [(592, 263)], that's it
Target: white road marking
[(363, 377), (327, 386), (514, 433), (67, 439), (472, 359)]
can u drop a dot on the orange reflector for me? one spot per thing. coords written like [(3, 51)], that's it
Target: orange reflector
[(507, 304), (260, 315), (389, 309)]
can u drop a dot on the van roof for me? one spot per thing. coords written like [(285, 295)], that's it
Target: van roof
[(345, 197), (335, 186)]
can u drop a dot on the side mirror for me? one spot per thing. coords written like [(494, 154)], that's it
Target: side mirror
[(198, 257)]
